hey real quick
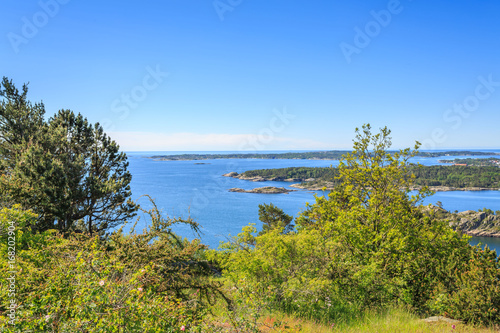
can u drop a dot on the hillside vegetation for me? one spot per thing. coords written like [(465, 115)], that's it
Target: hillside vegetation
[(365, 258)]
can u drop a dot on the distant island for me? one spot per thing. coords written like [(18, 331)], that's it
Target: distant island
[(263, 190), (492, 161), (436, 177), (315, 155)]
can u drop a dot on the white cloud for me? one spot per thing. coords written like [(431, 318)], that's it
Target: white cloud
[(147, 141)]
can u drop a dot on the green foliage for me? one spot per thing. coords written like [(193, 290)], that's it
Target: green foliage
[(459, 176), (299, 173), (66, 170), (472, 289), (273, 217), (151, 281), (366, 246)]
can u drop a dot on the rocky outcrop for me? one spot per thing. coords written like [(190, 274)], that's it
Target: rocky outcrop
[(262, 179), (231, 174), (241, 176), (263, 190), (470, 222), (477, 223), (312, 186)]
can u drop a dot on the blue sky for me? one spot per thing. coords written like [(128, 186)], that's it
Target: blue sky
[(262, 75)]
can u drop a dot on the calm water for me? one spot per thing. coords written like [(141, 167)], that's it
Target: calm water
[(184, 188)]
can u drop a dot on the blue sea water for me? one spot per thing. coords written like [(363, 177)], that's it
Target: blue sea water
[(185, 188)]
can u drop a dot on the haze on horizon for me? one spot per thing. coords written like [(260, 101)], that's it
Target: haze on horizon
[(237, 75)]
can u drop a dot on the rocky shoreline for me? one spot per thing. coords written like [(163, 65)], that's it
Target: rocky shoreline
[(262, 179), (311, 185), (469, 222), (263, 190)]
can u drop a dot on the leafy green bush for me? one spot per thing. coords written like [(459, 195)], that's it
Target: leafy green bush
[(143, 282), (366, 246), (474, 292)]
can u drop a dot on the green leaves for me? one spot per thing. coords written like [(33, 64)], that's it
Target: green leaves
[(66, 170), (151, 281), (273, 217), (367, 245)]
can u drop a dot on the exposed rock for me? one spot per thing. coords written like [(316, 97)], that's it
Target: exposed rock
[(263, 190), (315, 186), (469, 222), (241, 176), (231, 174)]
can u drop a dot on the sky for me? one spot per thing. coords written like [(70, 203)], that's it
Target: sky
[(241, 75)]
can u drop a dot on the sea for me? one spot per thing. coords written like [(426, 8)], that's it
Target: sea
[(197, 189)]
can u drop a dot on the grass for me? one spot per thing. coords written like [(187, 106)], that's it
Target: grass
[(393, 321)]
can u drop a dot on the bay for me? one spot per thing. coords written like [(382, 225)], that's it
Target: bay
[(198, 189)]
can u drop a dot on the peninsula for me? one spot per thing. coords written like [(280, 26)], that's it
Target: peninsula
[(436, 177), (263, 190)]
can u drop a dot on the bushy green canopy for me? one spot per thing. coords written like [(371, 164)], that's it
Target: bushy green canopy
[(68, 171)]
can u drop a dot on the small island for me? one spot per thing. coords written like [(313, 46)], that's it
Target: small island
[(492, 161), (263, 190)]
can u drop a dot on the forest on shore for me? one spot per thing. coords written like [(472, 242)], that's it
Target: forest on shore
[(452, 176)]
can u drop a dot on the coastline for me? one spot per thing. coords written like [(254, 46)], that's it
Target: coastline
[(308, 184)]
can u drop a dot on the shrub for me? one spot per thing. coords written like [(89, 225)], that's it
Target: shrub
[(151, 281)]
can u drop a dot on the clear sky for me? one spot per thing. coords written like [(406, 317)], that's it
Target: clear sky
[(260, 74)]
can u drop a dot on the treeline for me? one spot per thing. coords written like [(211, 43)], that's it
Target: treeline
[(435, 175), (458, 176), (320, 155), (492, 161), (454, 153), (315, 155), (300, 173)]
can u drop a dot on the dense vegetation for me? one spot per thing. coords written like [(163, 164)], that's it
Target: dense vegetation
[(365, 251), (67, 171), (366, 246), (315, 155), (435, 175), (151, 281), (458, 176)]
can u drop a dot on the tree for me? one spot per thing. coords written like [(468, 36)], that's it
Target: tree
[(381, 228), (368, 245), (371, 205), (273, 217), (20, 122), (66, 170)]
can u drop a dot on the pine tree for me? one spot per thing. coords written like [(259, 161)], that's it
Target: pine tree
[(273, 217), (66, 170)]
